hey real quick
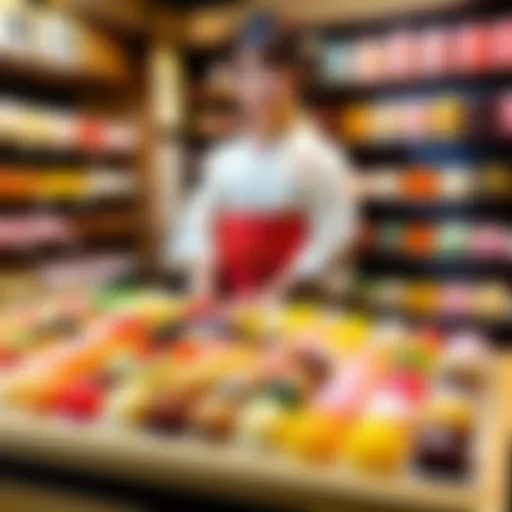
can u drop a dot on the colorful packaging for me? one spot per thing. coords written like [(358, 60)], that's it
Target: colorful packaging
[(472, 48), (434, 52)]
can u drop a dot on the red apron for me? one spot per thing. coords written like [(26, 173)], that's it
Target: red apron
[(253, 247)]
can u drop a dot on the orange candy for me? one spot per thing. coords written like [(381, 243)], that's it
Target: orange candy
[(420, 240), (421, 183), (18, 185), (356, 123)]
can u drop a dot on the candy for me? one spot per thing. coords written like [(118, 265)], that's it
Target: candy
[(314, 436), (377, 445), (453, 239), (262, 424)]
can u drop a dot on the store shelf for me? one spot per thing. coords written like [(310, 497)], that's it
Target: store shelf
[(26, 150), (337, 93), (479, 208), (458, 265), (500, 330), (41, 71), (66, 205), (465, 149)]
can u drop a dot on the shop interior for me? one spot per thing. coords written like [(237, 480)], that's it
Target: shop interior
[(387, 388)]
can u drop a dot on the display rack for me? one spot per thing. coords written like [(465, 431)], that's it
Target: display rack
[(96, 84), (469, 149)]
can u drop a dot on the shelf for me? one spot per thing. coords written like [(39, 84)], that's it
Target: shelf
[(351, 91), (51, 252), (429, 150), (65, 206), (475, 208), (17, 149), (433, 265), (499, 330), (41, 71)]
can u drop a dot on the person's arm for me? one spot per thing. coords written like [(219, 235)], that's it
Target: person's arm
[(192, 247), (331, 208)]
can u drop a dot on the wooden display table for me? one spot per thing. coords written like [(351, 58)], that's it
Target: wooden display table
[(264, 480)]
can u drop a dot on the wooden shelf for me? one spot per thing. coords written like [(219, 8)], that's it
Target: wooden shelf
[(459, 265), (351, 91), (37, 70), (474, 208)]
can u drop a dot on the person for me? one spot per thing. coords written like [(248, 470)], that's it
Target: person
[(275, 205)]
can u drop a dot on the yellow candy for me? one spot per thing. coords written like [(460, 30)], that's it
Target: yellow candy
[(452, 411), (377, 445), (299, 318), (348, 334), (128, 404), (262, 424), (313, 436)]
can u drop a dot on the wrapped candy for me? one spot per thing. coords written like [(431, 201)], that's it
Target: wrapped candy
[(384, 184), (490, 242), (502, 43), (347, 393), (389, 293), (434, 52), (420, 240), (401, 55), (466, 361), (262, 424), (422, 297), (504, 114), (444, 446), (377, 444), (391, 236), (456, 299), (495, 180), (384, 124), (492, 301), (453, 239), (368, 60), (448, 117), (314, 436), (357, 123), (414, 119), (472, 48), (421, 183), (457, 183)]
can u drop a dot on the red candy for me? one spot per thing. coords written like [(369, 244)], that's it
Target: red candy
[(81, 400), (8, 358), (410, 385)]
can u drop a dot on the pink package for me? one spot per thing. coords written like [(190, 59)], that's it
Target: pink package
[(456, 299), (504, 114), (401, 55), (348, 392), (501, 44), (490, 241), (434, 52)]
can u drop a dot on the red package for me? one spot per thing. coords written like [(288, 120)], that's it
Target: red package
[(472, 48), (501, 45), (91, 134)]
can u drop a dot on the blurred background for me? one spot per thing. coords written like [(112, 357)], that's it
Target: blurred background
[(107, 109)]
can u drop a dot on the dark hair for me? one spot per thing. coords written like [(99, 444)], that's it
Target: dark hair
[(273, 39)]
